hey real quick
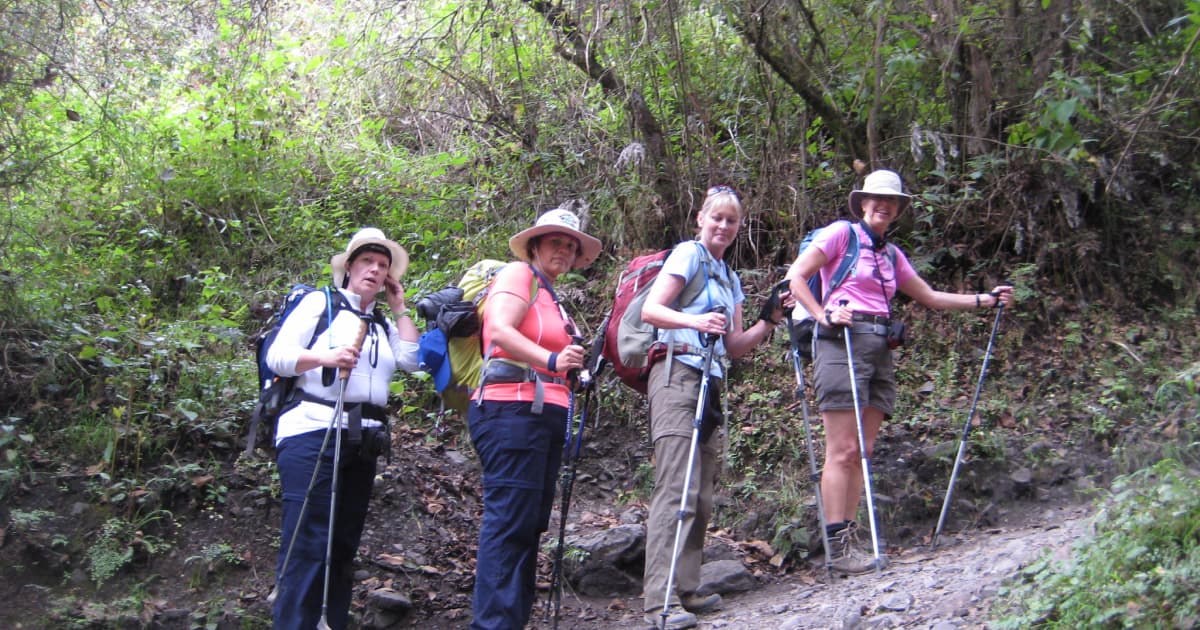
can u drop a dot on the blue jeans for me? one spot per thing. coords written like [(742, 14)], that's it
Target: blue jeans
[(301, 585), (521, 454)]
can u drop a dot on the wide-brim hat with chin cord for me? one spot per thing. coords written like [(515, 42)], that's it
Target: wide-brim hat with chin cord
[(883, 183), (362, 238), (557, 221)]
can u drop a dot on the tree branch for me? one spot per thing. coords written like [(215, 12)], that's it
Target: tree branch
[(576, 49)]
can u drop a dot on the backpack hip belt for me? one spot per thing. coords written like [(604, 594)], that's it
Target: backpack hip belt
[(362, 409), (496, 371), (355, 412), (661, 349), (505, 371)]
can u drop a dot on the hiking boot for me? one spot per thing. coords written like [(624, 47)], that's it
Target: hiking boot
[(676, 619), (700, 604), (848, 555)]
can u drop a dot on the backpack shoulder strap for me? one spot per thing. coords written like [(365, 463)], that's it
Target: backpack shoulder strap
[(848, 262), (696, 283), (334, 303)]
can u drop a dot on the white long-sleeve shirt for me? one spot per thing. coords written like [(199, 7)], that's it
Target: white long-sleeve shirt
[(369, 380)]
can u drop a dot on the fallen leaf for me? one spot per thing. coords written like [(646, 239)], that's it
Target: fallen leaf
[(200, 482), (760, 546)]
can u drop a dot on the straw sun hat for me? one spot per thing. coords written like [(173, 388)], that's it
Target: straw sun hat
[(363, 238), (557, 221)]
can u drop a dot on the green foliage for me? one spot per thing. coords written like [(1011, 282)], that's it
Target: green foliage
[(14, 443), (168, 181), (1138, 570), (119, 541), (212, 558), (1181, 388), (23, 521)]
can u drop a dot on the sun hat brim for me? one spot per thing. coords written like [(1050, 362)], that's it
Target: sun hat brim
[(589, 246), (399, 265), (882, 183)]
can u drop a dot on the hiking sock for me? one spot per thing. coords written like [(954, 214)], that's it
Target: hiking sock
[(832, 529)]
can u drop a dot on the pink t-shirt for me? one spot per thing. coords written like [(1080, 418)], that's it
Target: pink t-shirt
[(862, 288), (543, 324)]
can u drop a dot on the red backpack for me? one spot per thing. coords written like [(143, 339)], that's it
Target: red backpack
[(627, 339)]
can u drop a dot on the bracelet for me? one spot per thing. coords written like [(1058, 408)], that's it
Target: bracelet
[(976, 300), (552, 362), (828, 320), (404, 312)]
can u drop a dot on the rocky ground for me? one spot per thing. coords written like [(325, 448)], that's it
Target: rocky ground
[(947, 587), (206, 560)]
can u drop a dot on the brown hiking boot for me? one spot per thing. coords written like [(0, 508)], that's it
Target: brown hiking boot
[(700, 604), (676, 620), (848, 555)]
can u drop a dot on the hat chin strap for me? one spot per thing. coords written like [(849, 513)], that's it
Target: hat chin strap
[(877, 242)]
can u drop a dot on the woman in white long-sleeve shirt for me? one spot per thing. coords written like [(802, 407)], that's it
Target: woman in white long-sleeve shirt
[(313, 344)]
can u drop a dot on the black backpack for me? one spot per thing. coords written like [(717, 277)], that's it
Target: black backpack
[(277, 393)]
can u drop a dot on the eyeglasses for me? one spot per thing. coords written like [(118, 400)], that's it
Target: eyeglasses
[(722, 190)]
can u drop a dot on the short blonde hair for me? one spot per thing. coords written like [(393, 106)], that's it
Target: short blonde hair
[(721, 195)]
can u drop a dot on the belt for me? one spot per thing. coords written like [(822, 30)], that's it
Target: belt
[(872, 319), (858, 328)]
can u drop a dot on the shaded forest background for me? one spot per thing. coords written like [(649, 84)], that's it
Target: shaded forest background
[(168, 170)]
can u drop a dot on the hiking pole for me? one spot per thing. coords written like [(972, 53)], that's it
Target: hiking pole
[(312, 481), (571, 452), (814, 473), (862, 447), (709, 340), (962, 443), (344, 375), (572, 448)]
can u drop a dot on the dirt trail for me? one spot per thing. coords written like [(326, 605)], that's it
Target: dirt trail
[(949, 587)]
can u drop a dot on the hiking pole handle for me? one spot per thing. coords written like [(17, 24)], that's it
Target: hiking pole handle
[(711, 337), (363, 324), (579, 379), (596, 351)]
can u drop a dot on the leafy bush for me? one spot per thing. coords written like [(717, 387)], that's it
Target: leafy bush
[(122, 542), (1139, 571)]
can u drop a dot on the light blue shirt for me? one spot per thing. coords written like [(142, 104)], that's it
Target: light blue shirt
[(723, 288)]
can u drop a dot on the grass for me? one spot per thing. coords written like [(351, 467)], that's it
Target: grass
[(1138, 571)]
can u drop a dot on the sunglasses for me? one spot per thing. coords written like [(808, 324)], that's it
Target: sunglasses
[(722, 190)]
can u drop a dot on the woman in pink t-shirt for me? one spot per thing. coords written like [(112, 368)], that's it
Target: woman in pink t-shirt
[(518, 417), (861, 305)]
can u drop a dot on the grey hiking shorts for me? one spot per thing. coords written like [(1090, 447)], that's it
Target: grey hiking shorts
[(876, 376)]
